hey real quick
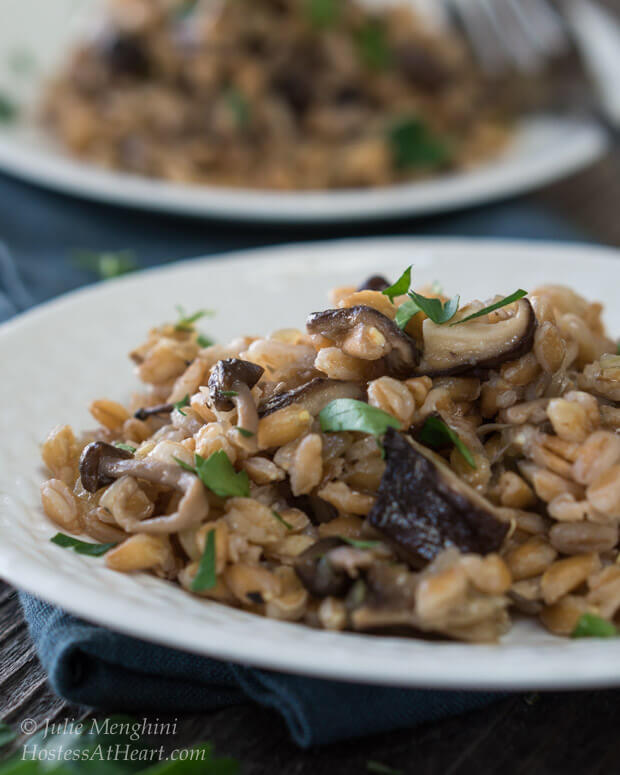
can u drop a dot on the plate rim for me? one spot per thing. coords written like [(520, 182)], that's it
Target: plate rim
[(489, 663)]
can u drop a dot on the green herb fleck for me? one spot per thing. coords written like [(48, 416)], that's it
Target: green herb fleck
[(229, 393), (382, 769), (204, 341), (244, 432), (205, 576), (185, 466), (413, 145), (618, 347), (323, 13), (359, 544), (347, 414), (126, 447), (373, 46), (218, 474), (186, 322), (435, 433), (239, 106), (593, 626), (81, 547), (400, 287), (178, 405), (7, 735), (8, 109), (184, 9), (106, 264), (281, 519), (435, 309), (405, 312), (496, 305)]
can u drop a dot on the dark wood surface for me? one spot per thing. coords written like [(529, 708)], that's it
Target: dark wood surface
[(572, 732)]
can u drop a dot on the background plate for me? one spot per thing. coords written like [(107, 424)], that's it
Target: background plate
[(59, 357), (543, 149)]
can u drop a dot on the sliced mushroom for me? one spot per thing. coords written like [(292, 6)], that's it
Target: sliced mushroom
[(398, 352), (423, 507), (388, 600), (318, 574), (375, 282), (312, 396), (101, 464), (477, 345), (230, 387)]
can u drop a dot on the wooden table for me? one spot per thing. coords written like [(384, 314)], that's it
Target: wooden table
[(573, 732)]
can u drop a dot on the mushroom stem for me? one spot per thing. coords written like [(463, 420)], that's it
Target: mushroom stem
[(247, 416)]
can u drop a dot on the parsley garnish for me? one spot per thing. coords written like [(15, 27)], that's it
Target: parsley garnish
[(347, 414), (281, 519), (204, 341), (373, 45), (185, 466), (7, 735), (106, 264), (81, 547), (178, 405), (405, 312), (186, 322), (126, 447), (496, 305), (414, 145), (382, 769), (239, 107), (229, 393), (400, 287), (435, 309), (244, 432), (8, 109), (593, 626), (323, 13), (359, 544), (435, 433), (219, 475), (206, 577)]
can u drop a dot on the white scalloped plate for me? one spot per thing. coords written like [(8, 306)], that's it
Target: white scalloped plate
[(58, 357), (544, 148)]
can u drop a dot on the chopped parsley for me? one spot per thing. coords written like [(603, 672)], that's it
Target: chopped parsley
[(218, 474), (347, 414), (373, 46), (239, 106), (435, 309), (204, 341), (229, 393), (244, 432), (106, 264), (435, 433), (496, 305), (405, 312), (400, 287), (206, 577), (281, 519), (126, 447), (323, 13), (81, 547), (178, 405), (186, 322), (414, 145), (593, 626), (359, 544), (8, 109)]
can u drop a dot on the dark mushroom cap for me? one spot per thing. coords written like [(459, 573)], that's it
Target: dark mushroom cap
[(477, 346), (124, 53), (375, 282), (145, 412), (423, 507), (228, 374), (336, 325), (90, 464), (313, 396), (317, 573)]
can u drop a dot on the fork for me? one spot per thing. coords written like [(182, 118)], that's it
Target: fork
[(524, 35)]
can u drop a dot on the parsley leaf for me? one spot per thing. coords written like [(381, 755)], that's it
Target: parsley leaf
[(81, 547), (126, 447), (218, 474), (347, 414), (373, 46), (239, 106), (281, 519), (400, 287), (496, 305), (405, 312), (229, 393), (206, 577), (437, 310), (204, 341), (178, 405), (8, 109), (413, 145), (359, 544), (7, 735), (244, 432), (106, 264), (323, 13), (186, 322), (435, 433), (185, 466), (593, 626)]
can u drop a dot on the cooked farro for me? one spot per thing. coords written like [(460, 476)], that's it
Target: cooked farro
[(414, 486)]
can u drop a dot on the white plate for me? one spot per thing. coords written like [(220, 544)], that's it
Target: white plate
[(62, 355), (543, 149)]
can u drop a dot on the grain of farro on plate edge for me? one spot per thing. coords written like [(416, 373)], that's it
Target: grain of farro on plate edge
[(351, 522)]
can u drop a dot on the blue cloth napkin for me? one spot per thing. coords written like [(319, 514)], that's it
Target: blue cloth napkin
[(96, 667)]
